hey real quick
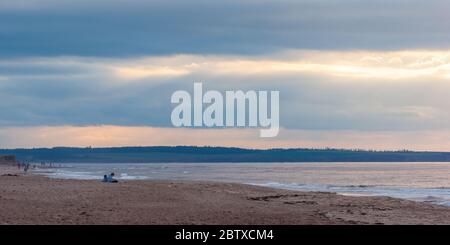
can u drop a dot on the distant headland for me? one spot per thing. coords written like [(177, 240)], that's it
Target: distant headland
[(186, 154)]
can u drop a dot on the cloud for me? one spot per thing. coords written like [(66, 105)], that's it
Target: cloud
[(122, 28), (127, 73), (377, 90), (404, 65), (343, 68)]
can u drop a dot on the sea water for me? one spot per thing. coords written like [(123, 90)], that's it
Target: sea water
[(427, 182)]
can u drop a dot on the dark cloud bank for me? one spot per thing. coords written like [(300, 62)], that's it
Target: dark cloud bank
[(136, 28)]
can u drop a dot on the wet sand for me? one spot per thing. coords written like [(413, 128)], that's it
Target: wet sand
[(31, 199)]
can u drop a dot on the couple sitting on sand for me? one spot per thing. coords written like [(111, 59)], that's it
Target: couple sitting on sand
[(109, 178)]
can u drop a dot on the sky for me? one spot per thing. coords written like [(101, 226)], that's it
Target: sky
[(351, 73)]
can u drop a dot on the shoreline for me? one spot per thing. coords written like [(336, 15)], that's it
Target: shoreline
[(35, 199)]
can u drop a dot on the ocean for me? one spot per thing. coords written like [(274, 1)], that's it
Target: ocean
[(426, 182)]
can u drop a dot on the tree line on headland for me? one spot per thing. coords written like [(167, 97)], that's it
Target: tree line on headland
[(182, 154)]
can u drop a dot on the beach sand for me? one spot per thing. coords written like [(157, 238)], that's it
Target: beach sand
[(32, 199)]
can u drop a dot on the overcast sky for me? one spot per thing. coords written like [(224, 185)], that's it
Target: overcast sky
[(353, 74)]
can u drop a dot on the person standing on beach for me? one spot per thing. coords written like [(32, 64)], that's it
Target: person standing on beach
[(26, 167)]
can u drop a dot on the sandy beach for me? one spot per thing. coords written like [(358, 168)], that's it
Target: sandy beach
[(32, 199)]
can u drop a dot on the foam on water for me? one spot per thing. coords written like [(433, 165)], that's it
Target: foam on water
[(439, 196), (124, 176), (70, 173)]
